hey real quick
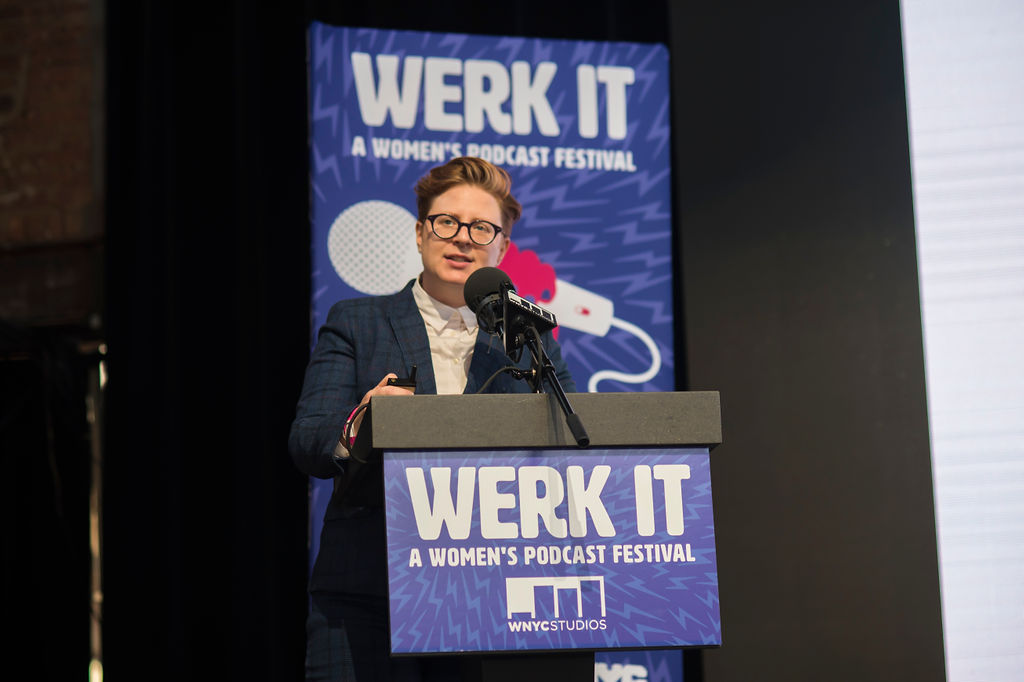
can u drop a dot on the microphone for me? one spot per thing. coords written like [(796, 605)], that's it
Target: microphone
[(483, 294), (489, 293), (491, 296)]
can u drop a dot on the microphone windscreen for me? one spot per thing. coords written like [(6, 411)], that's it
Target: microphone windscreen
[(483, 283)]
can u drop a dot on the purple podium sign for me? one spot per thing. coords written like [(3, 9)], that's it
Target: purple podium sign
[(550, 549)]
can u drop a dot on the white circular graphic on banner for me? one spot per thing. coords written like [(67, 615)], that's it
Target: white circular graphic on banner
[(372, 246)]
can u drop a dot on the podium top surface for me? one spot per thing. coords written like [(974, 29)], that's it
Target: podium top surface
[(532, 420)]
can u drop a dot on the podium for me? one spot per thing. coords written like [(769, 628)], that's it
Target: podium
[(510, 545)]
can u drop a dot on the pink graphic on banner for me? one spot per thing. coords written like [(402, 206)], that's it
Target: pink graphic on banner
[(533, 278)]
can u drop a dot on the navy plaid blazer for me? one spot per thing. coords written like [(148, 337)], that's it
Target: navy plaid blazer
[(363, 340)]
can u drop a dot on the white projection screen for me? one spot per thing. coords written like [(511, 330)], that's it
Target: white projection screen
[(964, 64)]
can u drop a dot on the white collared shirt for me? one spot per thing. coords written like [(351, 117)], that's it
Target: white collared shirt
[(452, 335)]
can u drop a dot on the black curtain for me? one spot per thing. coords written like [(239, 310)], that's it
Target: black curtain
[(45, 454), (207, 322)]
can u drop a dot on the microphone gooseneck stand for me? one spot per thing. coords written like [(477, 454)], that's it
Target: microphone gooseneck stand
[(543, 371)]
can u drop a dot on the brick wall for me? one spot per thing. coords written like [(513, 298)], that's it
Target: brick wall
[(51, 174)]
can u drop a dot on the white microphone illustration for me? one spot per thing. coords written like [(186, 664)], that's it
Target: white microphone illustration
[(372, 248)]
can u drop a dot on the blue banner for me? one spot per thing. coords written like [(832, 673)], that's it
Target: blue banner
[(583, 129), (552, 549)]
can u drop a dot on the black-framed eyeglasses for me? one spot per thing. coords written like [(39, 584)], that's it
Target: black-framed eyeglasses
[(481, 232)]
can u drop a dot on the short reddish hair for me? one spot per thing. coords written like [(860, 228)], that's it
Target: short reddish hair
[(469, 170)]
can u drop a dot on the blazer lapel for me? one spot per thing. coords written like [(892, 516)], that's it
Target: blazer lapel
[(411, 335)]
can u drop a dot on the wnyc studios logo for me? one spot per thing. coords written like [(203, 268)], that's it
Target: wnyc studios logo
[(522, 596)]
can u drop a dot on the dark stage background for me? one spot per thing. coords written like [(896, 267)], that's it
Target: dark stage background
[(797, 299)]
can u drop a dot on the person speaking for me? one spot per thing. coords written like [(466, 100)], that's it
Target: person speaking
[(427, 335)]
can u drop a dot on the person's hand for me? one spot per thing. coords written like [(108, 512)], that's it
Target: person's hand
[(380, 389)]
